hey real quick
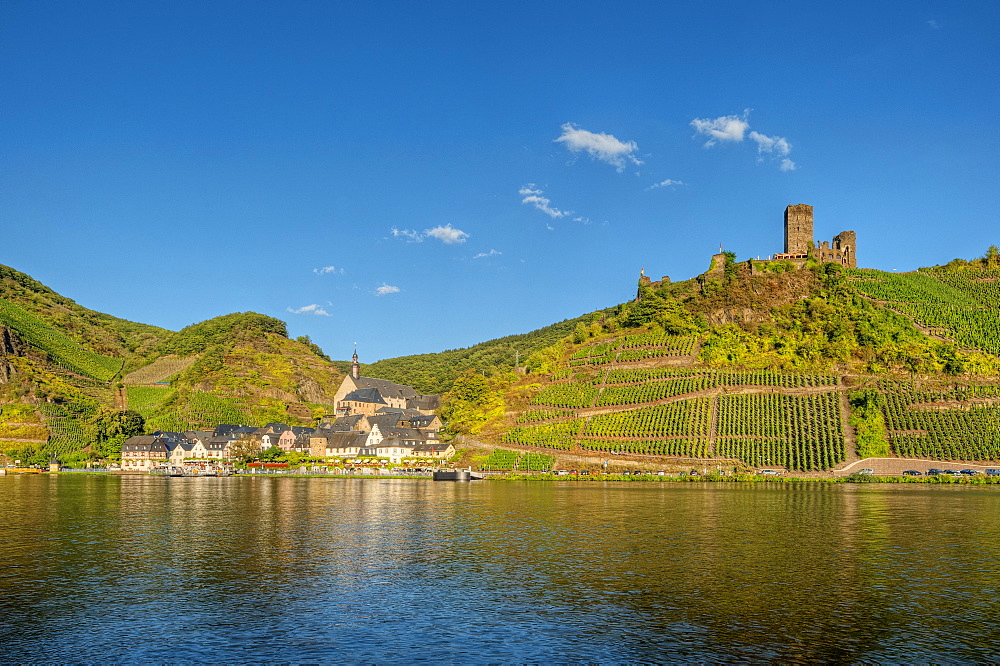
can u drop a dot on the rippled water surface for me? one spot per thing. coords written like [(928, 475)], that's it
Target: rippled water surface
[(136, 568)]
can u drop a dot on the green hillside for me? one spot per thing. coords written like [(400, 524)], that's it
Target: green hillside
[(744, 367), (64, 368)]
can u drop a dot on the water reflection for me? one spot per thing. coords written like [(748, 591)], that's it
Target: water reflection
[(149, 568)]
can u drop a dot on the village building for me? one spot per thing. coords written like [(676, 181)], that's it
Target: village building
[(143, 452)]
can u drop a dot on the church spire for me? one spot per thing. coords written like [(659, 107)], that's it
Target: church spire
[(355, 367)]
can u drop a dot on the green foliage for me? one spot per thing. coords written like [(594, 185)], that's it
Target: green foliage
[(869, 424), (315, 348), (473, 401), (272, 454), (112, 427), (225, 330)]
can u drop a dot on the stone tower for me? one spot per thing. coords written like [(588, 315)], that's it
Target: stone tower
[(798, 228), (355, 367)]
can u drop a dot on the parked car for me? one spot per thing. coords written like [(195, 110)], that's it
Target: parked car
[(933, 471), (949, 472), (969, 472), (910, 472), (585, 472), (993, 472), (866, 470), (770, 472)]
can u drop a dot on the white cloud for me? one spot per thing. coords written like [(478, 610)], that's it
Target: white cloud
[(723, 128), (386, 289), (491, 253), (601, 146), (665, 183), (777, 145), (409, 235), (328, 269), (582, 220), (447, 234), (788, 165), (313, 309), (532, 195), (934, 24)]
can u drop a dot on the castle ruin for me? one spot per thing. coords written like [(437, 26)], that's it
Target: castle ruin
[(799, 244)]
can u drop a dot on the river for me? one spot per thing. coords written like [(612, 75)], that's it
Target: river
[(105, 568)]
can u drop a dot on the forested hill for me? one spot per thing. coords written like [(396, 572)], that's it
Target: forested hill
[(435, 373), (64, 369)]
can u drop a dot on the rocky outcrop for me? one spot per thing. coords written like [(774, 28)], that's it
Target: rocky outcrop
[(10, 345)]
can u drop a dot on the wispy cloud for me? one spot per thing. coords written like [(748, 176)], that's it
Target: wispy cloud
[(723, 128), (599, 146), (447, 234), (934, 24), (788, 165), (665, 183), (491, 253), (532, 195), (409, 235), (386, 289), (777, 145), (325, 270), (313, 309)]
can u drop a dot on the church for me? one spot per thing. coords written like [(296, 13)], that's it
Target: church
[(368, 395)]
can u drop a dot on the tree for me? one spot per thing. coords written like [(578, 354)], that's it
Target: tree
[(271, 454), (244, 449), (112, 427)]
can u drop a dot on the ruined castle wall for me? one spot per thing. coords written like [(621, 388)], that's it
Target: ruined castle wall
[(847, 243)]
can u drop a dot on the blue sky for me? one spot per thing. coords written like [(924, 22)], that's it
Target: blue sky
[(425, 176)]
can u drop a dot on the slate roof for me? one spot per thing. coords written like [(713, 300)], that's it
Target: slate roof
[(341, 440), (386, 388), (425, 402), (365, 395)]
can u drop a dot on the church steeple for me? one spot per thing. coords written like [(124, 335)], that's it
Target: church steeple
[(355, 367)]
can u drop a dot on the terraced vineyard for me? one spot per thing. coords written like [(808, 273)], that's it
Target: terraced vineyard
[(159, 371), (505, 460), (145, 399), (961, 305), (551, 435), (201, 410), (635, 348), (945, 424), (779, 419), (61, 349), (797, 432)]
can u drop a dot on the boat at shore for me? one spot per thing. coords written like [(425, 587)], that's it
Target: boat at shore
[(456, 475)]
